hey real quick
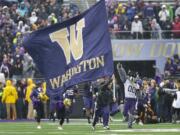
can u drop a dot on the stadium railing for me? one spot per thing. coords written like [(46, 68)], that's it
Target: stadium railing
[(163, 34)]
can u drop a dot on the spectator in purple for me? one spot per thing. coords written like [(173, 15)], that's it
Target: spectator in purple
[(177, 63), (158, 76), (130, 12), (148, 11), (169, 68)]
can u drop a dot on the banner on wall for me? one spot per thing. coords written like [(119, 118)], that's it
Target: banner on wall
[(144, 49)]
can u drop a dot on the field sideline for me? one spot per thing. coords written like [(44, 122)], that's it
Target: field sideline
[(80, 127)]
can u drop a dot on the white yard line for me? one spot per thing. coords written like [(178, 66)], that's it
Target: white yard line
[(85, 124), (18, 133), (60, 132), (117, 120), (101, 132), (143, 130), (83, 119), (126, 134)]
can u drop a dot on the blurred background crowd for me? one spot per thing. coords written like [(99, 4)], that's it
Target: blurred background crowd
[(18, 18), (144, 20), (127, 20)]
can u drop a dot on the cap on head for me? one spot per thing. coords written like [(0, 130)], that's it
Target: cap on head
[(52, 14), (163, 6), (136, 17), (33, 13), (5, 7), (22, 3)]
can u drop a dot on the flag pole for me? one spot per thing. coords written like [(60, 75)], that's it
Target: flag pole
[(87, 4), (114, 87)]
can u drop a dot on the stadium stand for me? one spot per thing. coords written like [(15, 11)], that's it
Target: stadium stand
[(159, 20)]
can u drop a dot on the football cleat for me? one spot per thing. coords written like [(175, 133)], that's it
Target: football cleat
[(60, 128), (38, 127), (93, 128), (106, 127)]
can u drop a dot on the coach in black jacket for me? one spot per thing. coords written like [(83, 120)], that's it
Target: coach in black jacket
[(102, 108)]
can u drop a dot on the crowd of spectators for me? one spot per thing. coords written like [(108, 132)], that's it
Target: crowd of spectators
[(172, 66), (161, 90), (159, 101), (154, 95), (17, 20), (143, 20), (165, 99)]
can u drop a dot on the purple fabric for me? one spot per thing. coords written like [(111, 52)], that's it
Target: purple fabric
[(114, 108), (36, 104), (158, 79), (105, 115), (104, 112), (60, 105), (148, 11), (88, 103), (129, 106), (56, 106), (170, 67), (52, 106)]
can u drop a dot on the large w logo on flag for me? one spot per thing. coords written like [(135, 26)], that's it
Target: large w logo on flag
[(75, 45)]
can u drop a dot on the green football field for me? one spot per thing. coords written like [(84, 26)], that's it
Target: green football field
[(80, 127)]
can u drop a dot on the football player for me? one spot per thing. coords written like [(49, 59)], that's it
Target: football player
[(130, 88), (58, 106), (88, 100), (70, 94), (37, 97)]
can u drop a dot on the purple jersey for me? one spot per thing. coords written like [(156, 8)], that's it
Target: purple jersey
[(35, 96), (88, 102), (88, 90), (70, 92), (56, 103)]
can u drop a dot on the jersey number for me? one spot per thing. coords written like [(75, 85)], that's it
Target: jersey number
[(131, 89)]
